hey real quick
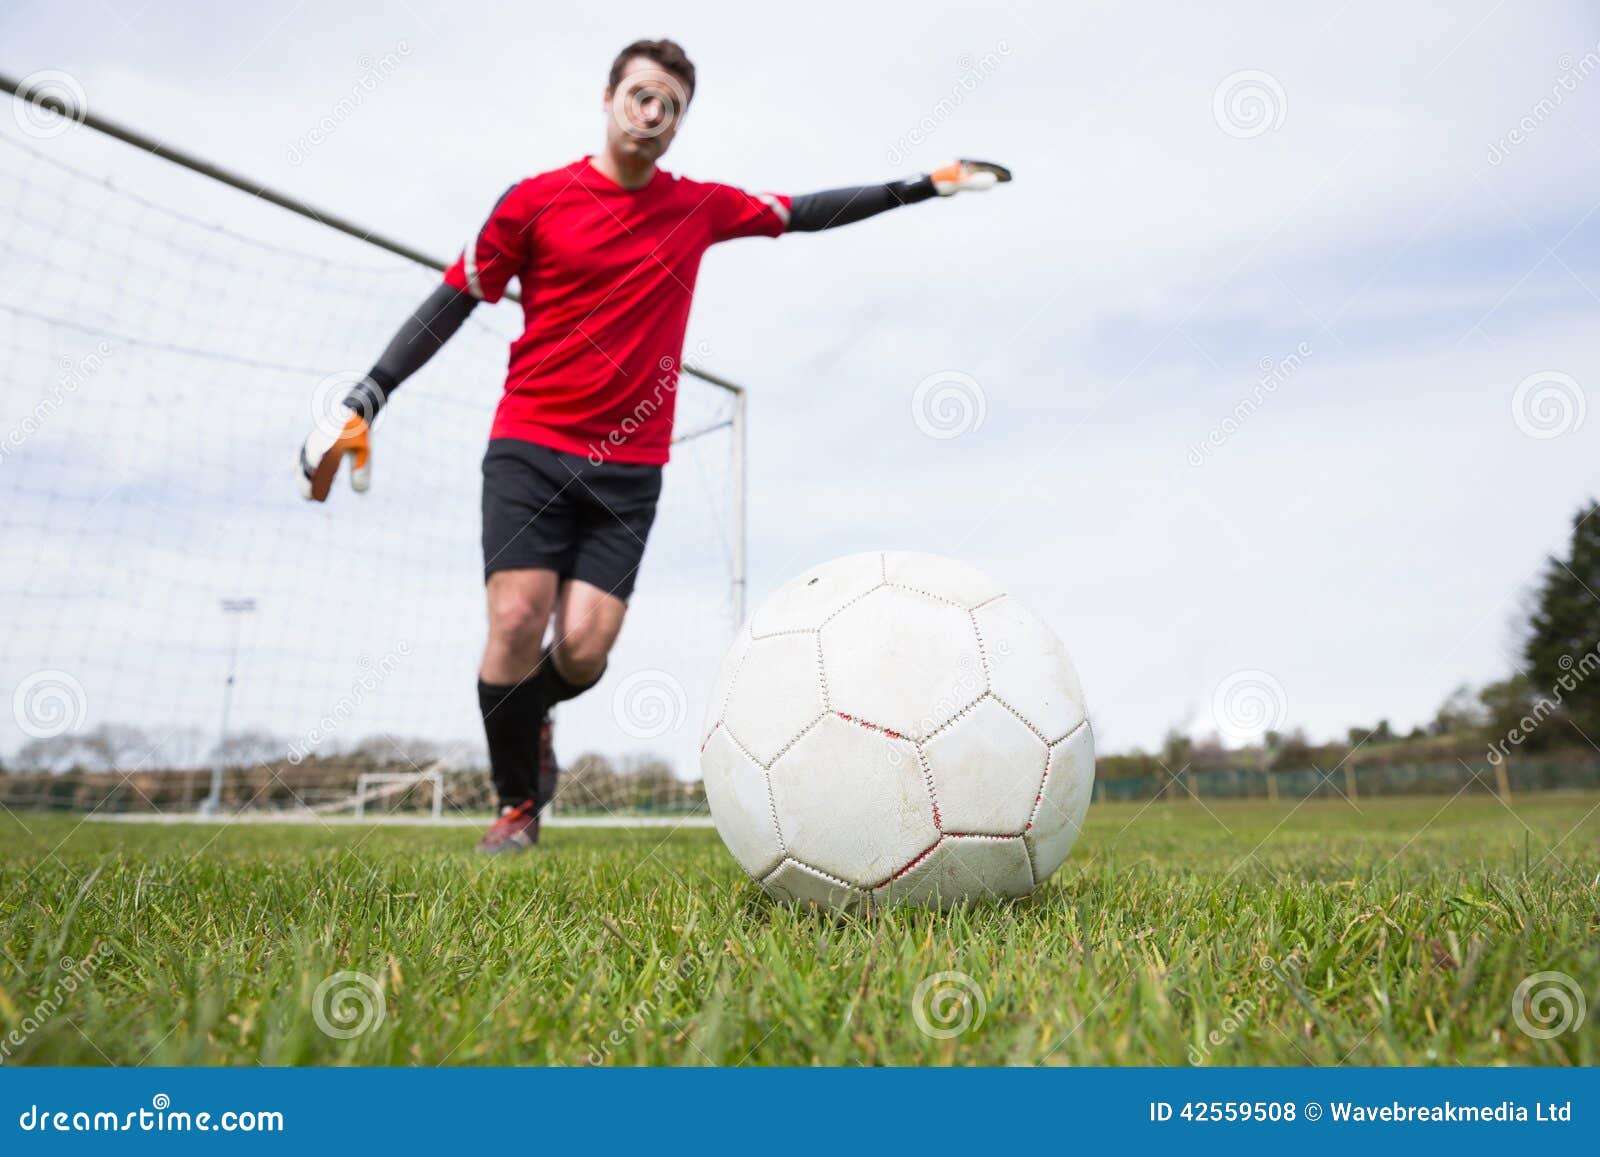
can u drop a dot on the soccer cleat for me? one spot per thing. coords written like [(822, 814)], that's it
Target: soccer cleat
[(324, 450), (968, 175), (549, 771), (516, 830)]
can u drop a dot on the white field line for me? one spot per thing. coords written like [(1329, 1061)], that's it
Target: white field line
[(307, 818)]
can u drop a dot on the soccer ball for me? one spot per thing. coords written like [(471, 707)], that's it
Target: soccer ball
[(895, 727)]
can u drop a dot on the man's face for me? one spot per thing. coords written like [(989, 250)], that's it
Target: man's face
[(643, 111)]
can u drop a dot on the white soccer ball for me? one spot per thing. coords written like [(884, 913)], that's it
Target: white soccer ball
[(895, 727)]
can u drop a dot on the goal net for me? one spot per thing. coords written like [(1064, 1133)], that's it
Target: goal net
[(169, 604)]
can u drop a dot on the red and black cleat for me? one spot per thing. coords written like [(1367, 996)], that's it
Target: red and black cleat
[(516, 830)]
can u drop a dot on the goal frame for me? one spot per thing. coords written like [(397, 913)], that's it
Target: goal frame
[(341, 224), (371, 779)]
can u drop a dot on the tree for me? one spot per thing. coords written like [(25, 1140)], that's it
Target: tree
[(1563, 646), (1506, 703), (250, 747), (398, 751), (54, 755), (117, 747), (588, 783), (1290, 751), (1134, 764), (1176, 748), (1210, 754), (1458, 714), (108, 747), (182, 748)]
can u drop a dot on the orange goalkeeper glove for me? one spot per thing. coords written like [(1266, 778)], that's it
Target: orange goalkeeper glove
[(345, 432), (968, 175)]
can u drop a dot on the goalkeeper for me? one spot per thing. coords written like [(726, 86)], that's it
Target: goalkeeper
[(606, 250)]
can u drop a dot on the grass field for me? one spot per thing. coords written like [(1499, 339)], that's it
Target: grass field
[(1226, 934)]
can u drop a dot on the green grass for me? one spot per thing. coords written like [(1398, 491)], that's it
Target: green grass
[(1405, 931)]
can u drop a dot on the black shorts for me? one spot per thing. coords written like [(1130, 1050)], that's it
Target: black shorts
[(557, 511)]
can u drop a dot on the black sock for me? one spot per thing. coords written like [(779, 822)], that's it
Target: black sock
[(554, 687), (512, 715)]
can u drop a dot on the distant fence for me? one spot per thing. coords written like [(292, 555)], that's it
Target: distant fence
[(325, 785), (289, 787), (1434, 778), (313, 784)]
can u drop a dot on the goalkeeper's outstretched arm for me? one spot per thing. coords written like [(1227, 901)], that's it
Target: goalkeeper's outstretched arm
[(424, 332), (348, 430), (811, 212)]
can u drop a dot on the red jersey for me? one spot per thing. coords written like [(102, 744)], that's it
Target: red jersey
[(607, 278)]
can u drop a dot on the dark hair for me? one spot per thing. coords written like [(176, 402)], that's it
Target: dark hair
[(668, 55)]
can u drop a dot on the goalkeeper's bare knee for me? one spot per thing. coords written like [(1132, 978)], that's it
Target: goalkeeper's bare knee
[(520, 605), (581, 655)]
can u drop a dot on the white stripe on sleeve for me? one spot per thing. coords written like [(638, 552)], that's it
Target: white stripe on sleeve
[(469, 262), (776, 206)]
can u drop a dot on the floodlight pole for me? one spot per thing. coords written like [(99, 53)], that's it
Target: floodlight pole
[(236, 608)]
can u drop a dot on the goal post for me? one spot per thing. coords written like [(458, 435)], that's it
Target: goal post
[(166, 326), (398, 783)]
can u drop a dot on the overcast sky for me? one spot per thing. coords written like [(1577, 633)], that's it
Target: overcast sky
[(1392, 206)]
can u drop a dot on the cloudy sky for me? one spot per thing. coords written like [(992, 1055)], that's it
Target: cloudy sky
[(1385, 213)]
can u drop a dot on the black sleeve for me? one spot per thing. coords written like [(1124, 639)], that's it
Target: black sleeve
[(418, 340), (810, 212)]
